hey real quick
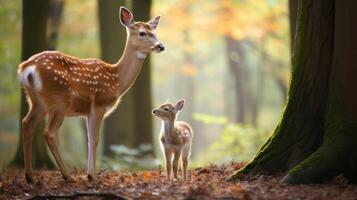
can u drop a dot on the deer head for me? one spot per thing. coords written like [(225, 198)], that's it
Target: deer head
[(141, 35), (168, 111)]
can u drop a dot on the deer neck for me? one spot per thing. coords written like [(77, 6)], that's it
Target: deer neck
[(128, 67), (168, 127)]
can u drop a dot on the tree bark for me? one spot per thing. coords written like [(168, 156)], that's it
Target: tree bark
[(34, 19), (119, 126), (141, 89), (300, 131), (338, 153), (293, 9)]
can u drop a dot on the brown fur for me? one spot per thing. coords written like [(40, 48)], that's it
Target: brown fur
[(74, 82)]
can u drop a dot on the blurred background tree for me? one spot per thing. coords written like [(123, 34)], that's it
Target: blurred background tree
[(39, 32), (229, 59), (120, 124)]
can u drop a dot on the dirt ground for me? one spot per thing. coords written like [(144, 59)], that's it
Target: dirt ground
[(203, 183)]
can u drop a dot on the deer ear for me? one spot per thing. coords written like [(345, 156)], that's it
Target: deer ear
[(154, 22), (179, 105), (126, 17)]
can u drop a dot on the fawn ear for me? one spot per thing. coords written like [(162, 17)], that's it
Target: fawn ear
[(154, 22), (179, 105), (126, 17)]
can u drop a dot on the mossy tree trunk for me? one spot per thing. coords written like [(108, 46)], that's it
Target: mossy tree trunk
[(317, 136), (119, 126), (337, 154), (34, 20), (303, 131)]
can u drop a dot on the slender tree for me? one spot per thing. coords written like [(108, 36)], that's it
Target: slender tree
[(141, 90), (235, 57), (54, 20), (34, 20), (316, 137), (119, 126)]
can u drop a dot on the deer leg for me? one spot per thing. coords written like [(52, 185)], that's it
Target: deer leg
[(94, 121), (168, 159), (177, 155), (55, 120), (35, 115), (185, 160)]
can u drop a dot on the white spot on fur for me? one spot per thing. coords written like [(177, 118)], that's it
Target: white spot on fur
[(31, 70)]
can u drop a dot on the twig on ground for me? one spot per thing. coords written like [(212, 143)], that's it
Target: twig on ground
[(103, 170), (74, 195)]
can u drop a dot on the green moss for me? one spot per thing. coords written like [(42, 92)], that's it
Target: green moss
[(329, 160)]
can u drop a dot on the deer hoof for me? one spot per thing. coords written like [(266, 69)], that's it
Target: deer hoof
[(91, 177), (68, 178), (29, 178)]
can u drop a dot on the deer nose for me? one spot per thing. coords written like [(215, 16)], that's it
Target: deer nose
[(160, 47), (154, 111)]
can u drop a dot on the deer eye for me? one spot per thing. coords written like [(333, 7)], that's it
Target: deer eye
[(142, 33), (166, 109)]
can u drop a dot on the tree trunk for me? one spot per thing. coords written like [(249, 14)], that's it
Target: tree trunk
[(316, 139), (234, 53), (119, 126), (270, 61), (293, 8), (34, 19), (259, 94), (300, 131), (53, 23), (338, 153), (188, 83), (141, 89)]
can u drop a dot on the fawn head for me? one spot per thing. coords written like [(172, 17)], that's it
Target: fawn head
[(167, 111), (142, 35)]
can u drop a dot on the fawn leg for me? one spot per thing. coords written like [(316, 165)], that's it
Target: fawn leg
[(177, 156), (94, 121), (185, 160), (35, 115), (168, 159), (55, 120)]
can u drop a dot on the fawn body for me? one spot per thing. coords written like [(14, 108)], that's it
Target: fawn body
[(60, 85), (175, 138)]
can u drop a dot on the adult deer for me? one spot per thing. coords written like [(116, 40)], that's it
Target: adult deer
[(60, 85)]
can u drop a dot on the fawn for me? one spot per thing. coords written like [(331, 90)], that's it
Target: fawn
[(175, 137), (60, 85)]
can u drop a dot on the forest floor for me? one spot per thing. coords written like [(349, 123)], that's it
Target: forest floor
[(203, 183)]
